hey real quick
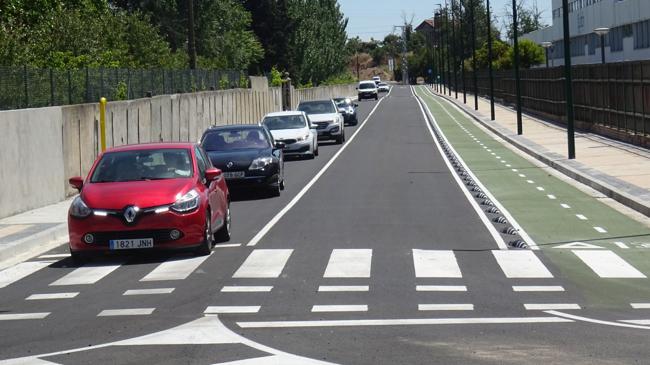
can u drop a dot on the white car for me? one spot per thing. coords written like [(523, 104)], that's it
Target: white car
[(325, 116), (294, 130), (383, 87), (368, 90)]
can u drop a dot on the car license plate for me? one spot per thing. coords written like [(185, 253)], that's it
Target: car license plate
[(131, 244), (233, 174)]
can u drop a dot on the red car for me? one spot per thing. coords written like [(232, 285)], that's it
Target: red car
[(149, 196)]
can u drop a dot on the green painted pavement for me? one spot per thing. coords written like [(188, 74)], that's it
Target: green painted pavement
[(545, 220)]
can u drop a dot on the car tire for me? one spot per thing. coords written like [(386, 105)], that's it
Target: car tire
[(274, 190), (376, 97), (316, 149), (208, 238), (340, 139), (223, 234)]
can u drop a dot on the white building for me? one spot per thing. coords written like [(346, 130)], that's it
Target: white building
[(628, 38)]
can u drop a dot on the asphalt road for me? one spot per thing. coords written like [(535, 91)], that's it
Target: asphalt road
[(383, 259)]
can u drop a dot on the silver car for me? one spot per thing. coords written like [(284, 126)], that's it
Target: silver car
[(295, 131), (326, 117)]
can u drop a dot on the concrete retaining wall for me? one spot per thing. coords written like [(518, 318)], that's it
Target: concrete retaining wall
[(41, 148)]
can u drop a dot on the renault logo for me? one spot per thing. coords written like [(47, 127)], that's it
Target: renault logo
[(130, 213), (230, 164)]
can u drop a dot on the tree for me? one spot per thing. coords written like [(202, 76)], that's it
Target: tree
[(529, 18)]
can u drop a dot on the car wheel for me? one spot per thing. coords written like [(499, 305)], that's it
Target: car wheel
[(376, 97), (316, 149), (282, 184), (223, 234), (340, 139), (208, 238), (274, 190)]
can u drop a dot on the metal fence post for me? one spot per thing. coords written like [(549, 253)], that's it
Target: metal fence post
[(25, 81), (87, 87), (69, 87), (643, 118), (101, 82), (128, 83), (51, 87)]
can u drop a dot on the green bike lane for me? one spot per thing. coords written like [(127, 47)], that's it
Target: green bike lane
[(562, 220)]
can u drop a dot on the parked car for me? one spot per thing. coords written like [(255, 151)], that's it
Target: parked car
[(348, 109), (383, 87), (326, 117), (248, 156), (294, 130), (149, 196), (368, 90)]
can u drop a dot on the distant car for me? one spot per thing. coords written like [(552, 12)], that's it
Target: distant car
[(348, 109), (294, 130), (248, 156), (149, 196), (368, 90), (326, 117), (376, 79), (383, 87)]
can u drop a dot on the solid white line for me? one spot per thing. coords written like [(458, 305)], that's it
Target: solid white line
[(55, 256), (18, 316), (246, 289), (621, 245), (536, 288), (343, 288), (440, 288), (551, 196), (590, 320), (20, 271), (52, 296), (176, 268), (149, 291), (600, 229), (445, 307), (479, 212), (640, 305), (13, 229), (262, 232), (643, 322), (551, 306), (436, 264), (565, 206), (264, 264), (126, 312), (231, 309), (521, 264), (349, 263), (339, 308), (607, 264), (401, 322), (581, 217), (88, 274)]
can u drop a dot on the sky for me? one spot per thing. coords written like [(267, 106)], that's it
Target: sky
[(376, 18)]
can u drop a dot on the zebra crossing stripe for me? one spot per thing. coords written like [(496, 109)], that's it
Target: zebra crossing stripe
[(88, 274), (521, 264), (20, 271), (436, 264), (607, 264), (349, 263), (263, 264), (176, 268)]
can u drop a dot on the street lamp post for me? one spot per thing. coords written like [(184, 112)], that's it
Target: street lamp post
[(602, 32), (455, 46), (491, 73), (567, 81), (515, 31), (546, 46), (462, 51), (475, 80)]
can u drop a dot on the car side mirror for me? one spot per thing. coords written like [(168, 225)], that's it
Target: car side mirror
[(76, 182), (280, 145), (356, 105), (212, 174)]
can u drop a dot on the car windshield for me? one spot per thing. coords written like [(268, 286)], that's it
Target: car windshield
[(235, 139), (138, 165), (367, 85), (317, 107), (342, 102), (285, 122)]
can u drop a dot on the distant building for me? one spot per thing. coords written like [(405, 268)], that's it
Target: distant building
[(628, 38), (428, 29)]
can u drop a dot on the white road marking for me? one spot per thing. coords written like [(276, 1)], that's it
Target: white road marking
[(19, 316), (440, 288), (52, 296), (343, 288), (551, 306), (590, 320), (349, 263), (262, 232), (445, 307), (536, 288), (581, 217), (607, 264), (551, 196), (13, 229), (339, 308), (55, 256), (642, 322), (600, 229), (176, 268), (401, 322), (581, 245), (87, 274), (231, 309), (227, 245), (515, 170), (19, 271), (565, 206), (154, 291), (521, 264), (621, 245), (246, 289), (126, 312), (530, 181), (522, 175), (264, 264), (436, 264), (640, 305), (508, 165), (540, 188)]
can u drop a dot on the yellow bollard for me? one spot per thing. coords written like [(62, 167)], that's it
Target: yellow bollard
[(102, 122)]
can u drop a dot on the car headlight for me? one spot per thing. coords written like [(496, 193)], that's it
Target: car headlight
[(260, 163), (79, 209), (303, 138), (187, 202)]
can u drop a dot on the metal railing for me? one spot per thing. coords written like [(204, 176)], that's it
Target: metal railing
[(27, 87)]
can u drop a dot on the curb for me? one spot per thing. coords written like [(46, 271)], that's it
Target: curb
[(33, 245), (625, 193)]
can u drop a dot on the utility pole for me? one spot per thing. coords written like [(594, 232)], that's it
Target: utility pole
[(491, 72), (462, 51), (472, 20), (455, 46), (191, 47), (448, 49), (515, 31), (568, 81)]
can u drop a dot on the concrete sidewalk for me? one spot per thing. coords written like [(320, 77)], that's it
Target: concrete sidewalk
[(33, 232), (617, 169)]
